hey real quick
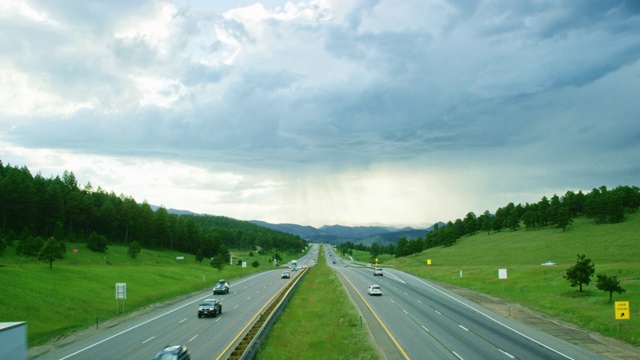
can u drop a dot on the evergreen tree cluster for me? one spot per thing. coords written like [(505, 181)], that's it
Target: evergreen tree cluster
[(33, 208), (347, 247), (582, 272), (601, 204)]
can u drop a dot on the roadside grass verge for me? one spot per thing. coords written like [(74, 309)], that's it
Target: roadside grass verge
[(319, 322), (365, 256), (614, 248), (80, 289)]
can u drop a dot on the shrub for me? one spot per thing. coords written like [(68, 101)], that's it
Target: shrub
[(97, 243), (134, 249)]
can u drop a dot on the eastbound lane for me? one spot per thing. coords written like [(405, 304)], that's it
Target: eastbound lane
[(206, 338), (428, 321)]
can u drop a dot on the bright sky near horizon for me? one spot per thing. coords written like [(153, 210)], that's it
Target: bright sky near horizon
[(388, 112)]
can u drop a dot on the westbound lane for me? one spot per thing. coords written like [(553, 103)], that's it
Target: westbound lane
[(206, 338), (430, 321)]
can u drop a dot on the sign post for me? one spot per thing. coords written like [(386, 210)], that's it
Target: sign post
[(121, 293), (622, 311), (502, 275)]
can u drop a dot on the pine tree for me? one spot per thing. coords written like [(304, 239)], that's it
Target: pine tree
[(580, 273), (51, 251), (610, 284)]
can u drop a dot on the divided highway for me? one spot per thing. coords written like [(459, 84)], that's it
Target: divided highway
[(413, 319), (421, 320), (206, 338)]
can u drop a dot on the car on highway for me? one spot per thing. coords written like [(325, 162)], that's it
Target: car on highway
[(210, 307), (375, 290), (285, 275), (173, 352), (222, 287), (377, 272)]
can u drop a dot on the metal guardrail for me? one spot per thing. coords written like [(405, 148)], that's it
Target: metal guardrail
[(250, 344)]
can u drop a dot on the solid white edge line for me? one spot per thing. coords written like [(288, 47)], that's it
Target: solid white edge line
[(145, 322), (507, 354), (492, 319)]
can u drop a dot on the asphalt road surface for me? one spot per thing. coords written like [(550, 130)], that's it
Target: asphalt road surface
[(141, 337), (415, 319)]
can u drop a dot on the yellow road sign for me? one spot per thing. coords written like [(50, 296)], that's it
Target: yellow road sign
[(622, 310)]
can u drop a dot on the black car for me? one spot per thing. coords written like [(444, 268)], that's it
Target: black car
[(174, 352), (222, 287), (210, 307)]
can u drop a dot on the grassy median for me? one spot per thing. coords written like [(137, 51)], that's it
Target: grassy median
[(319, 322)]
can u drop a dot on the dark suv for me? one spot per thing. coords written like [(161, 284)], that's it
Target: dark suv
[(222, 287), (210, 307), (174, 352)]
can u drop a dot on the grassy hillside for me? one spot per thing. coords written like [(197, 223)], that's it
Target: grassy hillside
[(614, 248), (81, 287)]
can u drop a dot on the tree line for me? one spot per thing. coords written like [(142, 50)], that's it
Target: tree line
[(34, 209), (601, 204), (604, 206)]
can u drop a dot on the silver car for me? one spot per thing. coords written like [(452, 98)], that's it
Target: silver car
[(375, 290)]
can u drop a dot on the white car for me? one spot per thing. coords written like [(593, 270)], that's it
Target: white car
[(377, 272), (375, 290), (549, 263)]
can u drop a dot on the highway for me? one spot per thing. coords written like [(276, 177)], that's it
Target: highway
[(207, 338), (413, 319), (417, 320)]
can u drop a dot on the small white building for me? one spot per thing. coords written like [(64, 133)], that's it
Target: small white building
[(13, 337)]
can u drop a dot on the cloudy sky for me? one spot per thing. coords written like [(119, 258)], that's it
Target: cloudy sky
[(324, 112)]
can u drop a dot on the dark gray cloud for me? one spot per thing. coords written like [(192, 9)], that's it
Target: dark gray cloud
[(542, 90)]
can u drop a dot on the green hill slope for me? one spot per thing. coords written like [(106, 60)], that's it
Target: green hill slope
[(80, 289), (473, 263)]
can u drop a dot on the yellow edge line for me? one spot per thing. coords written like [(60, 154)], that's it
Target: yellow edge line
[(379, 320), (250, 323)]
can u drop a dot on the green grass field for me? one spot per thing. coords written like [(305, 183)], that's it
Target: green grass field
[(80, 289), (614, 248), (320, 320)]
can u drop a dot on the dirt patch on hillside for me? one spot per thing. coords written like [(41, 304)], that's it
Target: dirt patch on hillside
[(609, 348)]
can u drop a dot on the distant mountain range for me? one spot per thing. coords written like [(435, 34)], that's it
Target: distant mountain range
[(336, 234)]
